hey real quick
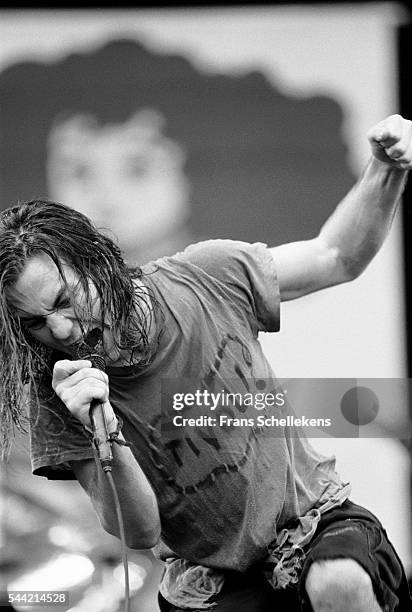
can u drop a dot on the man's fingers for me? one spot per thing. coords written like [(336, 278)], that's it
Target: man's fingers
[(65, 367), (88, 373), (400, 148), (77, 384), (83, 394), (67, 376), (388, 132), (391, 141), (386, 137)]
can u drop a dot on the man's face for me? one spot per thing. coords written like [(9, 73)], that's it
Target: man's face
[(126, 177), (52, 309)]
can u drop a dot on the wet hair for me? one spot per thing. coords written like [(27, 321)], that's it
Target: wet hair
[(68, 237)]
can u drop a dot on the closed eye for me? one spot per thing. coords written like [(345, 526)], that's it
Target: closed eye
[(34, 323), (64, 302)]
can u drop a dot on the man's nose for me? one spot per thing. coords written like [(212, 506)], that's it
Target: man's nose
[(60, 326)]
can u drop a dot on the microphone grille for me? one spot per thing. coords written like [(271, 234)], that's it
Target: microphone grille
[(87, 349)]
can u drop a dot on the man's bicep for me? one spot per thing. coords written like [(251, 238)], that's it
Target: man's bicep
[(304, 267)]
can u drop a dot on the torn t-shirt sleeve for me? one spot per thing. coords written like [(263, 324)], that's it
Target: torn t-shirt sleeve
[(247, 267), (56, 438)]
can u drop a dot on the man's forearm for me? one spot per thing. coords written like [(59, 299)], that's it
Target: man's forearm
[(137, 499), (362, 220)]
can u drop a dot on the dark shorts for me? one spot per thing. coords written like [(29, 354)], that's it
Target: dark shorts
[(349, 531)]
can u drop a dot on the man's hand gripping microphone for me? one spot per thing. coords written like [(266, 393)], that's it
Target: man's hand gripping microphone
[(90, 349)]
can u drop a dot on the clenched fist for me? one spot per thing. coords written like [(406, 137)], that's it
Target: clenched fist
[(76, 383), (391, 141)]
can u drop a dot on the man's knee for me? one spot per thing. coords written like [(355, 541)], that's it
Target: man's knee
[(337, 585)]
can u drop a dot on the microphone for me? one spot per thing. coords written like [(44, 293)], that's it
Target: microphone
[(89, 349)]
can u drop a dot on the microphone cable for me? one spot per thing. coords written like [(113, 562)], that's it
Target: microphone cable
[(122, 540), (103, 443)]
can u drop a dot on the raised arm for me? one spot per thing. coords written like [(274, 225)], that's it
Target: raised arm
[(355, 231)]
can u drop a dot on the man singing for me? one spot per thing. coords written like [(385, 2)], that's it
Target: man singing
[(246, 521)]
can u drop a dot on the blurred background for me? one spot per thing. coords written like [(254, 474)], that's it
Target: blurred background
[(172, 125)]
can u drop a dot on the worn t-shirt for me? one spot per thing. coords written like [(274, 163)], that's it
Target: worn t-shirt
[(224, 491)]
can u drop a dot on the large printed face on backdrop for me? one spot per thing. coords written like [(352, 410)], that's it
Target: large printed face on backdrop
[(163, 154), (128, 177)]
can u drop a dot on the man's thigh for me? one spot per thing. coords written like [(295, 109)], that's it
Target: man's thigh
[(349, 532), (353, 533)]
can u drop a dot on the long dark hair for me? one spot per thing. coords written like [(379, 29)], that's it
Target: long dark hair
[(67, 237)]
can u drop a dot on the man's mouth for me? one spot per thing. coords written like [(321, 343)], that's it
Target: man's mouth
[(72, 346)]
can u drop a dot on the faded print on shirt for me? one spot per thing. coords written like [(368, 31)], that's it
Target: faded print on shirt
[(223, 492)]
